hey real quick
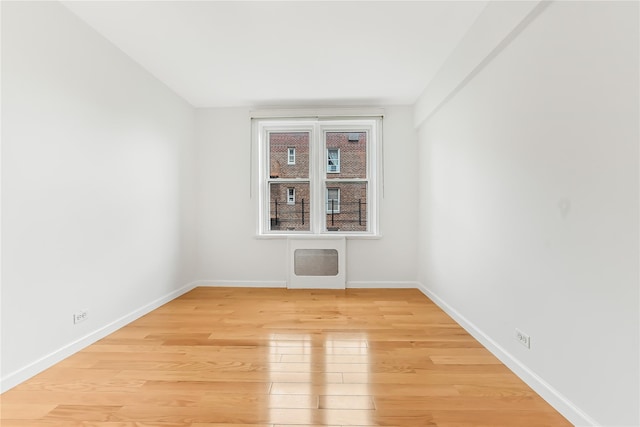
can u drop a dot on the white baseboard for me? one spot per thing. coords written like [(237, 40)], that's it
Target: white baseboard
[(241, 283), (381, 285), (283, 284), (563, 405), (14, 378)]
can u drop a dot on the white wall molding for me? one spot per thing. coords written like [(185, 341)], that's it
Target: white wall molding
[(498, 24), (354, 284), (370, 284), (241, 283), (321, 112), (14, 378), (563, 405)]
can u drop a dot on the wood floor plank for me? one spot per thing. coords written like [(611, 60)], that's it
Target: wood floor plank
[(53, 398), (228, 357), (460, 403), (27, 411), (346, 402), (83, 412), (465, 360), (232, 425)]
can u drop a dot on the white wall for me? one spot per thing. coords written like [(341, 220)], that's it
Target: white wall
[(230, 253), (97, 187), (529, 206)]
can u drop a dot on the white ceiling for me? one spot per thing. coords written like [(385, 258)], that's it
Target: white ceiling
[(239, 53)]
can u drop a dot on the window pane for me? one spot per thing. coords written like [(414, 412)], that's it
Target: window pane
[(333, 200), (346, 206), (289, 206), (346, 154), (289, 155), (333, 160)]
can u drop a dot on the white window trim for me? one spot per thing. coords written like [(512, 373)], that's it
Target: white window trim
[(319, 112), (317, 174), (291, 154), (291, 195)]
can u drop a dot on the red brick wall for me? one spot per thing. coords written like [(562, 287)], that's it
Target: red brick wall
[(353, 155), (353, 208), (289, 216), (279, 143)]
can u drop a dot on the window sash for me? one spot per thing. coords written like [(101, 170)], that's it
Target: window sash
[(291, 156), (291, 196)]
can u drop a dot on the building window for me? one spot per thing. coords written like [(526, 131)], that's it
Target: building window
[(333, 200), (333, 160), (333, 185), (291, 155)]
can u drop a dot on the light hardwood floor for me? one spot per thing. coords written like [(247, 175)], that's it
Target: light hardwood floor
[(232, 357)]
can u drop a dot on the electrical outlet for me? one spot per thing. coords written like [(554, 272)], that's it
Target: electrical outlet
[(80, 316), (523, 338)]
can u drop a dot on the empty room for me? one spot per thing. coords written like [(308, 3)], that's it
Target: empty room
[(320, 213)]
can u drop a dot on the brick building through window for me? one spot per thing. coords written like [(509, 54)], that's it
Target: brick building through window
[(320, 175)]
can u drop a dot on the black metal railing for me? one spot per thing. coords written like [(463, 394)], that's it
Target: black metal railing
[(283, 213)]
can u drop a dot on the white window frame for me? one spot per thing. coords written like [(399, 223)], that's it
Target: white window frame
[(318, 179), (291, 156), (336, 161), (291, 195), (336, 208)]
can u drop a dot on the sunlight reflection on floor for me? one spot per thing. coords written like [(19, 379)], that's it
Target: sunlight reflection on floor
[(308, 383)]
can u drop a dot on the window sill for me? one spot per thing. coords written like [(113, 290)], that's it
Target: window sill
[(348, 236)]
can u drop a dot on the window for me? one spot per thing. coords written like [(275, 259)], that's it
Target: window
[(333, 160), (333, 200), (332, 186)]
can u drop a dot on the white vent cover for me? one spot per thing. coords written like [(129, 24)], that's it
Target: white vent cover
[(316, 263)]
